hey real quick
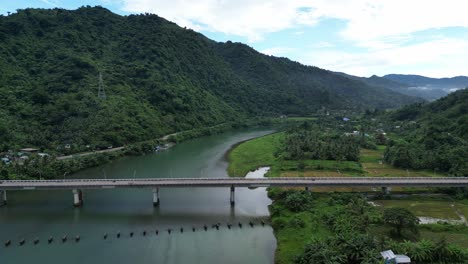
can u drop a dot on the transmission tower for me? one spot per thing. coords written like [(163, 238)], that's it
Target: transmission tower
[(101, 91)]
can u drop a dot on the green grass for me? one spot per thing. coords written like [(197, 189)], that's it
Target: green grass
[(371, 161), (253, 154), (292, 239), (436, 209), (258, 152)]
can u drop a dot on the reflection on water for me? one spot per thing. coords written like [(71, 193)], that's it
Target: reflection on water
[(42, 214)]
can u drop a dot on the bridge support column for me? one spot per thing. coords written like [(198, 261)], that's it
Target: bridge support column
[(386, 190), (155, 197), (77, 198), (3, 198), (232, 198)]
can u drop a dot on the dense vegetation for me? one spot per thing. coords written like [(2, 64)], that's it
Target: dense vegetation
[(303, 143), (344, 228), (159, 79), (432, 136)]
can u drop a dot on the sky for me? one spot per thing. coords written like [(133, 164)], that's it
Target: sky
[(359, 37)]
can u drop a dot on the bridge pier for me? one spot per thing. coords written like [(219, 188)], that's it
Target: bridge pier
[(155, 197), (232, 198), (3, 198), (386, 190), (77, 198)]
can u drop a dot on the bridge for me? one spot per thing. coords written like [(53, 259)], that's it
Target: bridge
[(77, 185)]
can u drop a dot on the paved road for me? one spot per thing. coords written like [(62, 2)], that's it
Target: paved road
[(77, 155), (236, 182)]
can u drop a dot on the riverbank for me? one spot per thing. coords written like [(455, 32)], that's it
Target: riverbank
[(296, 228), (51, 167)]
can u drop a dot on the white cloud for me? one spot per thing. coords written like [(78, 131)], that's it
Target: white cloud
[(366, 19), (277, 51), (382, 30), (251, 19), (439, 58)]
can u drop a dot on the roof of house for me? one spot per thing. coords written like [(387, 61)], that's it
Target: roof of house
[(29, 150), (388, 254)]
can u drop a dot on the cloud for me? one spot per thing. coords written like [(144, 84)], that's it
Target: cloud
[(365, 19), (277, 51), (246, 18), (381, 33), (439, 57)]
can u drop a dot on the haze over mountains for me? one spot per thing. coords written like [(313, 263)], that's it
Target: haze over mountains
[(415, 85), (159, 78)]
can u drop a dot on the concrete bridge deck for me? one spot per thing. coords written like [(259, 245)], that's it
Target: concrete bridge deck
[(155, 183), (236, 182)]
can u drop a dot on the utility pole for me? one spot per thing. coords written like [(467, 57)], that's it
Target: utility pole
[(101, 91)]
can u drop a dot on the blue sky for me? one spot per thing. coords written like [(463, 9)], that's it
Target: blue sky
[(360, 37)]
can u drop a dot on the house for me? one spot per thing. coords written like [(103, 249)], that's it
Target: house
[(29, 150), (5, 160), (346, 119), (390, 257), (42, 155)]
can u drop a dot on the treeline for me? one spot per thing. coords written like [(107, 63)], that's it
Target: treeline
[(159, 79), (432, 136), (309, 143), (341, 228)]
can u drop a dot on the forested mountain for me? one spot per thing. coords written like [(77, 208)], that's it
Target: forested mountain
[(159, 78), (432, 136), (428, 88), (415, 85)]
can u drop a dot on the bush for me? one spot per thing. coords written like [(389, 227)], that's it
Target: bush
[(296, 222), (298, 201)]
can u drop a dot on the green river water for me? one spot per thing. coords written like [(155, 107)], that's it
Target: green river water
[(42, 214)]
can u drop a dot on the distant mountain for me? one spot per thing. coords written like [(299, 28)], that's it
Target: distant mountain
[(159, 78), (429, 88)]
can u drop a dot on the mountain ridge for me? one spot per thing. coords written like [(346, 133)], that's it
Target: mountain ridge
[(159, 78)]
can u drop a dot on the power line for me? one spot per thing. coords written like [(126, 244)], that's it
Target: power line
[(101, 91)]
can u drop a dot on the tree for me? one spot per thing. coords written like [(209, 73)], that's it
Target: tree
[(298, 201), (399, 219), (5, 175)]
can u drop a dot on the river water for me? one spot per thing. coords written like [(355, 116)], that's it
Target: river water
[(42, 214)]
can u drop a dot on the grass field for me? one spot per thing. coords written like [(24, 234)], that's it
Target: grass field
[(440, 207), (372, 163), (291, 239), (253, 154), (435, 208), (259, 152)]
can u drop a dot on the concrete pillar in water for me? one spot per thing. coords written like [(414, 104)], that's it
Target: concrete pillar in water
[(386, 190), (77, 198), (155, 197), (3, 198), (233, 198)]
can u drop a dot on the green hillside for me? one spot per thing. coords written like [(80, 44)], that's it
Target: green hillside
[(159, 78), (432, 136)]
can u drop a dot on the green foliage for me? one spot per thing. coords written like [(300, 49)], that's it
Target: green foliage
[(426, 251), (298, 201), (432, 136), (311, 144), (159, 79), (400, 219)]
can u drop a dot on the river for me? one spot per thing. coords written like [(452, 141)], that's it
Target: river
[(42, 214)]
